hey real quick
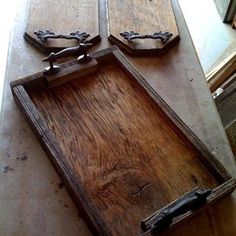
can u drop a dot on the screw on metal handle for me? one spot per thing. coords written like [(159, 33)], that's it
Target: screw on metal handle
[(163, 36), (81, 37), (80, 51)]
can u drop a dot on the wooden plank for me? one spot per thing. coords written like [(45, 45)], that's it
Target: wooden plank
[(73, 72), (231, 134), (64, 17), (39, 79), (143, 17), (226, 104), (217, 76), (117, 146)]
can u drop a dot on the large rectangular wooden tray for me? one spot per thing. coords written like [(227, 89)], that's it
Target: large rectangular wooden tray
[(120, 149)]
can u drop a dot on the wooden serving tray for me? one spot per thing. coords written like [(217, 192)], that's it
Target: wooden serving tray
[(120, 149), (61, 17)]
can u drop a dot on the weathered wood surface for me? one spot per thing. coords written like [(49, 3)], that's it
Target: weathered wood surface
[(222, 72), (231, 134), (76, 71), (122, 153), (226, 102), (62, 17), (143, 17), (226, 105), (176, 76)]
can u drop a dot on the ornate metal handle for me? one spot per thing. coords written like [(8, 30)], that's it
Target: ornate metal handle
[(44, 35), (129, 36), (80, 51), (163, 219)]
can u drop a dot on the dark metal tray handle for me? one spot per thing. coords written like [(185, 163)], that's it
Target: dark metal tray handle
[(81, 37), (80, 51), (163, 36), (162, 219)]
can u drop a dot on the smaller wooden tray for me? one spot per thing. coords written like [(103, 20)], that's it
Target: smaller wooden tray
[(128, 161), (62, 18), (142, 27)]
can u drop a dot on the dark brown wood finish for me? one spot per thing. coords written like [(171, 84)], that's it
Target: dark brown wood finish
[(145, 18), (62, 17), (120, 149)]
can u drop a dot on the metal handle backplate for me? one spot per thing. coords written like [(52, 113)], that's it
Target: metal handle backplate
[(131, 35), (81, 37)]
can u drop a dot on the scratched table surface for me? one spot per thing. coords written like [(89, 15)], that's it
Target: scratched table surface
[(33, 199)]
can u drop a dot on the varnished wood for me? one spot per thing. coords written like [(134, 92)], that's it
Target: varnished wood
[(63, 17), (118, 146), (143, 17)]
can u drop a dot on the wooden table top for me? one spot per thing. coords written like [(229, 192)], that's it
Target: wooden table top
[(34, 202)]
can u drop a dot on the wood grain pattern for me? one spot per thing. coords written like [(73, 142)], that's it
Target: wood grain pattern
[(176, 76), (64, 17), (121, 146), (144, 17), (73, 72)]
